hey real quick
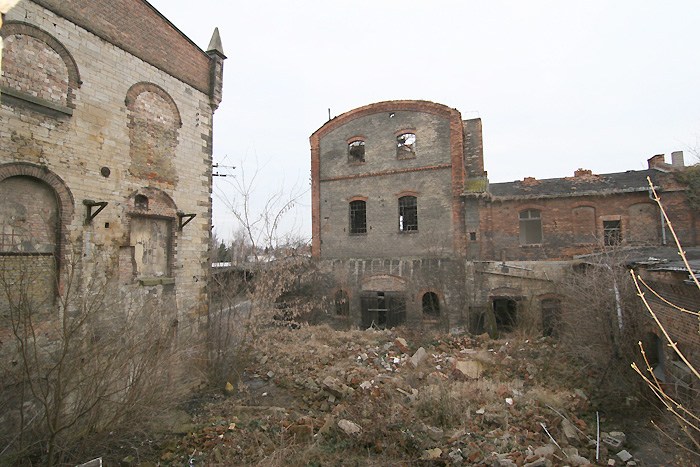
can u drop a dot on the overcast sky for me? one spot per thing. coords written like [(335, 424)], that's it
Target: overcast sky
[(600, 85)]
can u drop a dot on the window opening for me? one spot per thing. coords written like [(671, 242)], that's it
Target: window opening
[(383, 310), (612, 233), (530, 227), (551, 311), (505, 311), (406, 145), (358, 217), (408, 214), (342, 303), (356, 152), (141, 202), (431, 305)]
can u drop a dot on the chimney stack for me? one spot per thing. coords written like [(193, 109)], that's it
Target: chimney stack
[(656, 160), (582, 172), (677, 159)]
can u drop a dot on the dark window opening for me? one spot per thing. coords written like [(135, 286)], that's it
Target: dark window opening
[(551, 311), (472, 236), (505, 311), (431, 305), (358, 217), (342, 303), (408, 214), (356, 152), (612, 233), (383, 310), (141, 202), (530, 227), (406, 146)]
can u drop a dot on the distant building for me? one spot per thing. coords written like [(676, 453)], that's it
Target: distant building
[(408, 229), (106, 150)]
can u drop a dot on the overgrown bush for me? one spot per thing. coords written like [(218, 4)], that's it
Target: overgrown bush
[(82, 367)]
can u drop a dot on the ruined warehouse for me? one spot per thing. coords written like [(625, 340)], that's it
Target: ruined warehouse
[(408, 229), (105, 152)]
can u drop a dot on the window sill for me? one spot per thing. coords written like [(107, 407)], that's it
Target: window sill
[(408, 232), (363, 234), (355, 164), (153, 281), (35, 101), (402, 158), (533, 245)]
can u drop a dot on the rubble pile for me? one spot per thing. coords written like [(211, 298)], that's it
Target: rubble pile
[(376, 397)]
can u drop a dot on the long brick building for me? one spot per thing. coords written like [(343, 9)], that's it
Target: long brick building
[(409, 230), (105, 152)]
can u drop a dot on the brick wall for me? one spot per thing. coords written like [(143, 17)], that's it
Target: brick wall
[(137, 28), (574, 225), (87, 154), (434, 176)]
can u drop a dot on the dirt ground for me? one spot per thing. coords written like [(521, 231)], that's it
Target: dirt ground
[(318, 397)]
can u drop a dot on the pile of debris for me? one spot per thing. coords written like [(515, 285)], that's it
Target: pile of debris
[(315, 396)]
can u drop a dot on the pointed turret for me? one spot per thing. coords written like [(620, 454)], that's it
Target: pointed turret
[(216, 69)]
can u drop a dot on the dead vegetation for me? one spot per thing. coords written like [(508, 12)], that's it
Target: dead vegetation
[(318, 397)]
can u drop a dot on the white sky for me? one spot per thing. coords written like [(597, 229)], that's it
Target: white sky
[(558, 85)]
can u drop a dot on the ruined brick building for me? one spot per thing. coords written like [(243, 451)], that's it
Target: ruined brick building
[(409, 230), (106, 150)]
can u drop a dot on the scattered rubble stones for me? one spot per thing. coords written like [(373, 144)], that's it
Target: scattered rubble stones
[(457, 400)]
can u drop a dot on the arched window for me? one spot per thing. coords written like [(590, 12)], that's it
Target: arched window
[(408, 214), (342, 303), (29, 227), (406, 145), (431, 305), (530, 227), (356, 151), (358, 217)]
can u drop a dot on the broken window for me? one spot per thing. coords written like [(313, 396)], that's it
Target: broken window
[(356, 152), (408, 214), (342, 303), (358, 217), (431, 305), (530, 227), (406, 145), (612, 233)]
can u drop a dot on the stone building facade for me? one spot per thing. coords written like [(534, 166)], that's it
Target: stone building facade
[(106, 151), (409, 230)]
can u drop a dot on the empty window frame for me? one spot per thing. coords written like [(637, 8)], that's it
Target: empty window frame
[(406, 145), (358, 217), (356, 151), (431, 305), (530, 227), (408, 214), (612, 233)]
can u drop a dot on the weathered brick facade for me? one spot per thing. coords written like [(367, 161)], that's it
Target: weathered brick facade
[(108, 102), (493, 254)]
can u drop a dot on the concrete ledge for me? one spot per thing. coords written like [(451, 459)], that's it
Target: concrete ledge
[(153, 281)]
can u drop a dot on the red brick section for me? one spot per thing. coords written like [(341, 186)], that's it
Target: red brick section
[(563, 227), (315, 141), (27, 76), (65, 198), (457, 156), (682, 327), (138, 28)]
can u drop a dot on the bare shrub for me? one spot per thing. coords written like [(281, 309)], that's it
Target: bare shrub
[(80, 367), (600, 323), (684, 407)]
